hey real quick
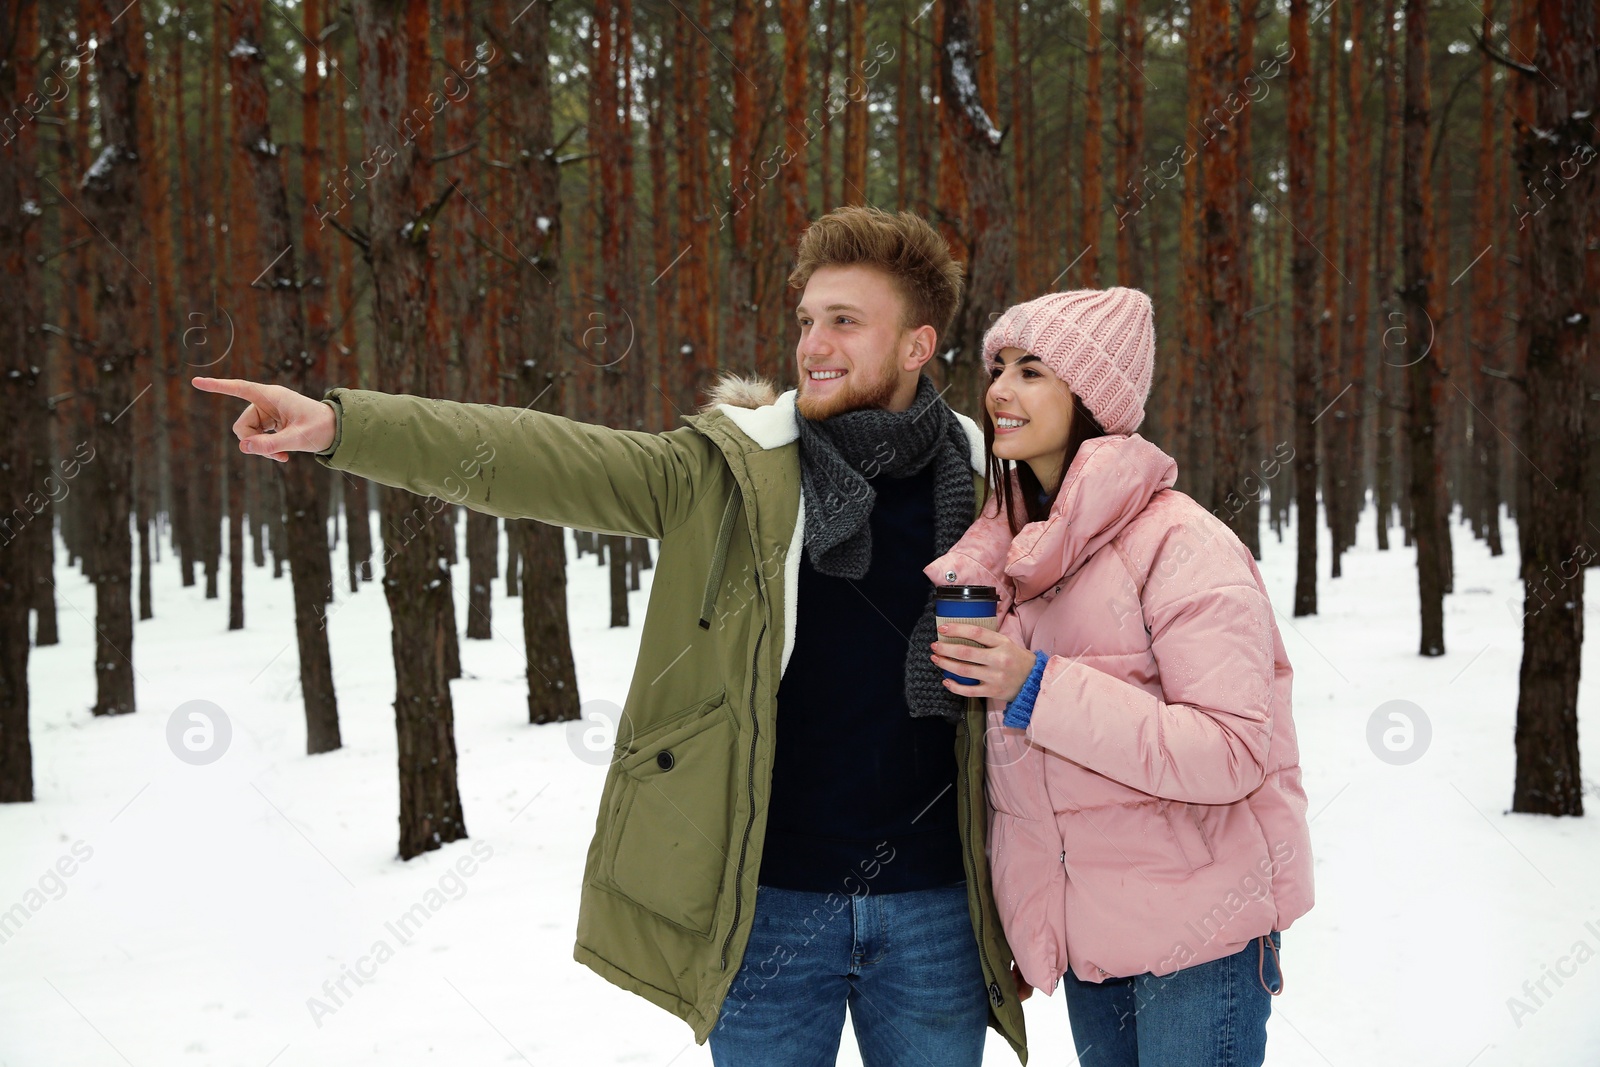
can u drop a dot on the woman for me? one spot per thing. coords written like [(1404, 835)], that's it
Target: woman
[(1148, 837)]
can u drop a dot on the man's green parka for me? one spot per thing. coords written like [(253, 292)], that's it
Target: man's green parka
[(670, 880)]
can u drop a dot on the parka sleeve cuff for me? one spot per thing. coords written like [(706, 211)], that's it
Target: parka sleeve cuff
[(1020, 710), (338, 422)]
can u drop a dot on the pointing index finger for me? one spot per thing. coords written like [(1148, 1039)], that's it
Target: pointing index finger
[(236, 387)]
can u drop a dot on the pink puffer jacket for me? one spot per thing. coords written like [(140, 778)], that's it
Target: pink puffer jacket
[(1151, 817)]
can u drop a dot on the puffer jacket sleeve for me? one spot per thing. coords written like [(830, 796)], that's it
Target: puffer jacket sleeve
[(1202, 739), (978, 558), (519, 463)]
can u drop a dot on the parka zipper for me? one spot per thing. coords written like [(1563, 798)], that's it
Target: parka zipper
[(744, 845)]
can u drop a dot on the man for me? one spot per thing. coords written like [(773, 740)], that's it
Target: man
[(794, 821)]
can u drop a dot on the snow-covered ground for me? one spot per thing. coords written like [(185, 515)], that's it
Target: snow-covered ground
[(178, 914)]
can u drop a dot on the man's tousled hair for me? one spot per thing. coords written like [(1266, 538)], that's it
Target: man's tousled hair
[(913, 254)]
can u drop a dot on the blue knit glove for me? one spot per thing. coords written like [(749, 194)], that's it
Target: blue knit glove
[(1020, 711)]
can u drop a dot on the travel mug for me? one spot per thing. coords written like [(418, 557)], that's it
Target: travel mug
[(974, 604)]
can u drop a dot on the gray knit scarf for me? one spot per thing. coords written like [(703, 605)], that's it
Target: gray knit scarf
[(837, 456)]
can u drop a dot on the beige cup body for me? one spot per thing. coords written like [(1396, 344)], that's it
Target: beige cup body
[(988, 622)]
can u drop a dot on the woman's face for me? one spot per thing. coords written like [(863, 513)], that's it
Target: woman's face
[(1031, 410)]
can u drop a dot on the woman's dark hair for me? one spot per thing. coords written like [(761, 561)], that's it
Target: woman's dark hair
[(1032, 508)]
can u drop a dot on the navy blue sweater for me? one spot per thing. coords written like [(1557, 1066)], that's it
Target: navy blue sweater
[(863, 795)]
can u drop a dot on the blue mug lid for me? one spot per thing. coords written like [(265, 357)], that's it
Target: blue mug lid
[(965, 592)]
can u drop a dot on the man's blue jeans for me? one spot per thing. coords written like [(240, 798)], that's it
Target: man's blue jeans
[(1210, 1015), (905, 963)]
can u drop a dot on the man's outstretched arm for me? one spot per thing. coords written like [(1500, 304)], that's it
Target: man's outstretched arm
[(510, 462)]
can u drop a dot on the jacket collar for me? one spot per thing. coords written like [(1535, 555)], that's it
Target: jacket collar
[(1110, 482), (777, 424)]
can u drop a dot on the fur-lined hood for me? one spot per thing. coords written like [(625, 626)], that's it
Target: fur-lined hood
[(741, 392)]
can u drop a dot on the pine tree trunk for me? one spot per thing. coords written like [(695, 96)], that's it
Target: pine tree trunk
[(218, 281), (358, 535), (552, 676), (699, 265), (1303, 285), (1487, 294), (552, 679), (950, 183), (311, 253), (667, 242), (1033, 273), (855, 108), (158, 319), (40, 550), (744, 187), (110, 200), (991, 272), (1386, 374), (483, 550), (1424, 374), (1445, 319), (234, 462), (1021, 97), (480, 358), (1087, 271), (357, 504), (255, 514), (1335, 472), (825, 167), (1194, 387), (430, 803), (1130, 148), (290, 359), (906, 98), (79, 415), (513, 558), (612, 133), (1221, 276), (1522, 37), (183, 361), (1561, 312), (19, 41), (1348, 413)]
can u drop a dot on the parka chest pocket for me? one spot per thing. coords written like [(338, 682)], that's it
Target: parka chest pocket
[(668, 841)]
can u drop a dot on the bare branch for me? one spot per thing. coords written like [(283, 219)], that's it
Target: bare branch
[(45, 258), (463, 150), (1483, 46), (418, 230), (359, 239)]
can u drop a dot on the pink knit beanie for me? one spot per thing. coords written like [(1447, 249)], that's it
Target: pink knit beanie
[(1101, 342)]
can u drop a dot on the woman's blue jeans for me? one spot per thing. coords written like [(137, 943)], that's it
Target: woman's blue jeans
[(906, 964), (1210, 1015)]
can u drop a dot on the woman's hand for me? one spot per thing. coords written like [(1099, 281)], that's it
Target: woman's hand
[(998, 663)]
